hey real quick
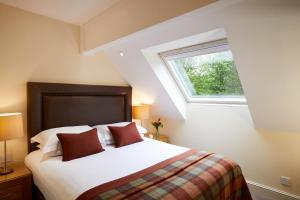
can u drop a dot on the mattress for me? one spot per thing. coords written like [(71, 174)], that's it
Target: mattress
[(59, 180)]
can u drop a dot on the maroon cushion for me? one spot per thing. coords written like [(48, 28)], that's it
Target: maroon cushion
[(125, 135), (79, 145)]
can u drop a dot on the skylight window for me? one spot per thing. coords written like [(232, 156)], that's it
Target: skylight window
[(206, 73)]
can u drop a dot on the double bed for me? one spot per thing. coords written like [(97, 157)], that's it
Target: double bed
[(148, 169)]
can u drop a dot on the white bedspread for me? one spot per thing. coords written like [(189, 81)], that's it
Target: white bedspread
[(59, 180)]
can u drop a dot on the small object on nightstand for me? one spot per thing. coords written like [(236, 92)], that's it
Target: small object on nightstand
[(156, 125), (16, 185), (161, 137)]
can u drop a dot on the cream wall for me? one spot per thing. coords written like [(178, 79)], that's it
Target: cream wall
[(37, 48), (229, 130)]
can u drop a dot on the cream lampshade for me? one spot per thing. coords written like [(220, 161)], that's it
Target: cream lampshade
[(140, 112), (11, 126)]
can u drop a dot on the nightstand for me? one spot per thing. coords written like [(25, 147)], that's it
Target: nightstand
[(16, 185), (162, 138)]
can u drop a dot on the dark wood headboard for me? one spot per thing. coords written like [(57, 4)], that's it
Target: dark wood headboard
[(51, 105)]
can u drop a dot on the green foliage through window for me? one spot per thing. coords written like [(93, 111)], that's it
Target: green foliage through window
[(211, 74)]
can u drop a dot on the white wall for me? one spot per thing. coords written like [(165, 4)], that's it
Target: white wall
[(36, 48), (264, 38)]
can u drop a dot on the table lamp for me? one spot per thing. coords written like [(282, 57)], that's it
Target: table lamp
[(11, 126), (140, 112)]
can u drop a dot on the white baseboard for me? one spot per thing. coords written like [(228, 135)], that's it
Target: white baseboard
[(263, 192)]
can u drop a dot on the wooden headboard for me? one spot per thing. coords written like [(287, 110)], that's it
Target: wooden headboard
[(51, 105)]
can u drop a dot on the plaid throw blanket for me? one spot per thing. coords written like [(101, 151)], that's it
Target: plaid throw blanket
[(191, 175)]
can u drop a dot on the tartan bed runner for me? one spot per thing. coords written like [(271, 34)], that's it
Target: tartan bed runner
[(191, 175)]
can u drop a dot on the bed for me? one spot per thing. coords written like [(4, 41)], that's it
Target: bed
[(145, 170)]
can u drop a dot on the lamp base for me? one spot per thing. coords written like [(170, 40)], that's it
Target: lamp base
[(7, 170)]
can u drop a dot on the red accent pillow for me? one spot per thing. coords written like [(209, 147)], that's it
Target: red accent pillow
[(125, 135), (79, 145)]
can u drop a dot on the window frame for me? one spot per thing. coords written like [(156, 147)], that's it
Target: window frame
[(194, 50)]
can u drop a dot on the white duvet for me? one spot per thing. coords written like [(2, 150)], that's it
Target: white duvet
[(59, 180)]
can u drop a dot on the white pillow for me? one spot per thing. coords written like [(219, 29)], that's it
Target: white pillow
[(48, 140), (106, 135), (57, 152)]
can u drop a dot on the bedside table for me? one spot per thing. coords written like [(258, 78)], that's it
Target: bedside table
[(16, 185), (162, 138)]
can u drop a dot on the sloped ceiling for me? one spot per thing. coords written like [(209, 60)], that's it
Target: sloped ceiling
[(264, 38), (73, 11), (129, 16)]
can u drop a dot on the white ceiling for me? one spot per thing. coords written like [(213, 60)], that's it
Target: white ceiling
[(73, 11)]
